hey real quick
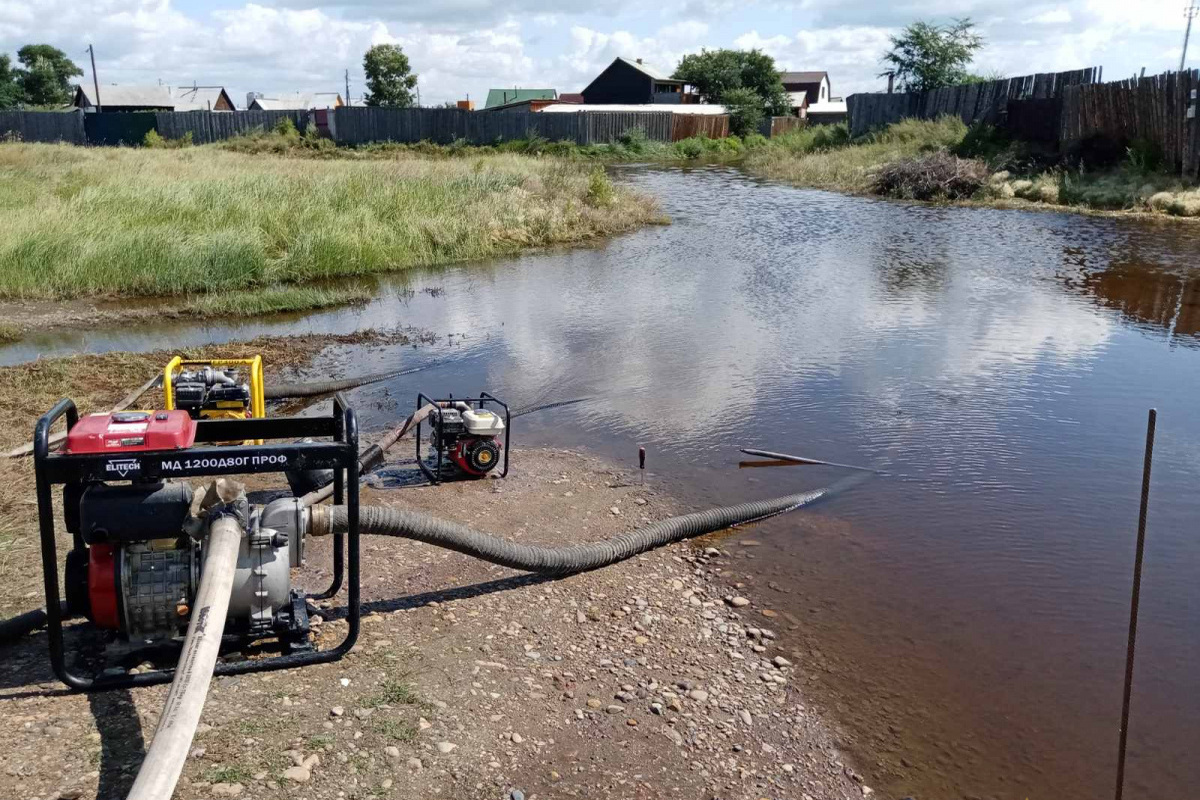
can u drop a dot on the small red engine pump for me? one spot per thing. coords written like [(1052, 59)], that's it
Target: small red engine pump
[(468, 433)]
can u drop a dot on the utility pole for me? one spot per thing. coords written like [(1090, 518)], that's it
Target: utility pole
[(95, 79), (348, 88), (1191, 12)]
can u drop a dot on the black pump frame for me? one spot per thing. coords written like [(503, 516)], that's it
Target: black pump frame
[(208, 459), (483, 400)]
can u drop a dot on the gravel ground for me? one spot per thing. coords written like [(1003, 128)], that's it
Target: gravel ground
[(652, 678)]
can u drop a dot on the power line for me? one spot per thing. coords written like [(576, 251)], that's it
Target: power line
[(1191, 12)]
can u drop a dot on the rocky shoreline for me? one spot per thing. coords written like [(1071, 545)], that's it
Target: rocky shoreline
[(653, 678)]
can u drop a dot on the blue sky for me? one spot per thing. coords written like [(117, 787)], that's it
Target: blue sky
[(461, 47)]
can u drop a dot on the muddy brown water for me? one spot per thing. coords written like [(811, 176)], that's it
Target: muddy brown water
[(962, 617)]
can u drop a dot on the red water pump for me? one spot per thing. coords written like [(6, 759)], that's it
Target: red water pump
[(468, 434)]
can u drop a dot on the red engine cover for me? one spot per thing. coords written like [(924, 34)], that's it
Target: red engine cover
[(102, 586), (125, 431)]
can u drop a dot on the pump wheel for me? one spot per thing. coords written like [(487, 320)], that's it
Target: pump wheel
[(483, 456)]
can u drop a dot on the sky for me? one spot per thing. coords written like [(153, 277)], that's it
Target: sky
[(462, 48)]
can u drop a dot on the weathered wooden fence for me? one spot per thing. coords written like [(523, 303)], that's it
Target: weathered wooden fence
[(207, 127), (43, 126), (975, 102), (1161, 109), (353, 126), (685, 126), (777, 126)]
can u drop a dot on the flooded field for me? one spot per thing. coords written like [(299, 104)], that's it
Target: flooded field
[(962, 616)]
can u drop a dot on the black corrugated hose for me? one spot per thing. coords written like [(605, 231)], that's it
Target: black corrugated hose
[(24, 624), (399, 522)]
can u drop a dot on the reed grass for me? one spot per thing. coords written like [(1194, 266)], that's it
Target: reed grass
[(118, 221)]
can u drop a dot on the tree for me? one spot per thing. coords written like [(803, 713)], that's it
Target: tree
[(10, 90), (745, 109), (46, 78), (927, 56), (390, 81), (715, 73)]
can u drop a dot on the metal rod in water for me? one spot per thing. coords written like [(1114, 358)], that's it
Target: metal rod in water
[(800, 460), (1133, 602)]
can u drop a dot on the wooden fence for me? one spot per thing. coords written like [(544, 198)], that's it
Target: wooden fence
[(43, 126), (685, 126), (353, 126), (1160, 109), (777, 126), (975, 102)]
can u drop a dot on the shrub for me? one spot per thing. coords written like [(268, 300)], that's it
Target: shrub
[(286, 128), (1160, 201), (753, 141), (634, 139), (745, 108), (153, 139), (1144, 156), (600, 192), (937, 176), (690, 148)]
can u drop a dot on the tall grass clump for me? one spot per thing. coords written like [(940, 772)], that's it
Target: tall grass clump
[(88, 221), (826, 157)]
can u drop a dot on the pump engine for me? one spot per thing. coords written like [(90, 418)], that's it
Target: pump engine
[(142, 551), (469, 434)]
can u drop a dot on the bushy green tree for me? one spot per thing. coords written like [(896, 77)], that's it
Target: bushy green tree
[(46, 77), (716, 73), (10, 90), (390, 81), (745, 110), (927, 56)]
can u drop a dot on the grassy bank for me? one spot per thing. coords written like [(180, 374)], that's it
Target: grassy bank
[(83, 222), (944, 160)]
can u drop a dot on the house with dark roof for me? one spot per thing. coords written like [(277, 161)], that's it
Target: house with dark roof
[(634, 82), (812, 97), (504, 97)]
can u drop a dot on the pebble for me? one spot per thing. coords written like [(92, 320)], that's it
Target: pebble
[(225, 789), (415, 764), (297, 774), (781, 662), (738, 602), (424, 724), (516, 738), (516, 794), (595, 702), (392, 752), (744, 715), (446, 747), (337, 711), (699, 695), (615, 709), (615, 511)]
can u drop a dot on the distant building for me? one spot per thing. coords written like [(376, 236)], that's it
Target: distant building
[(296, 101), (504, 97), (125, 98), (201, 98), (812, 97), (633, 82), (465, 105)]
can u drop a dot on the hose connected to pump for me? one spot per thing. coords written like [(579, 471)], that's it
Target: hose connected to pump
[(398, 522), (168, 751)]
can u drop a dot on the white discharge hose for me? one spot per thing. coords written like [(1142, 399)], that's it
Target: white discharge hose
[(173, 737)]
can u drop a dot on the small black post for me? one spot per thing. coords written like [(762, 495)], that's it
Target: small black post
[(1133, 602), (642, 462)]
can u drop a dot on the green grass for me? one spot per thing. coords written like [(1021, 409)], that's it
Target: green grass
[(9, 332), (394, 692), (83, 222), (228, 774), (396, 730), (272, 300), (825, 157), (633, 145)]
